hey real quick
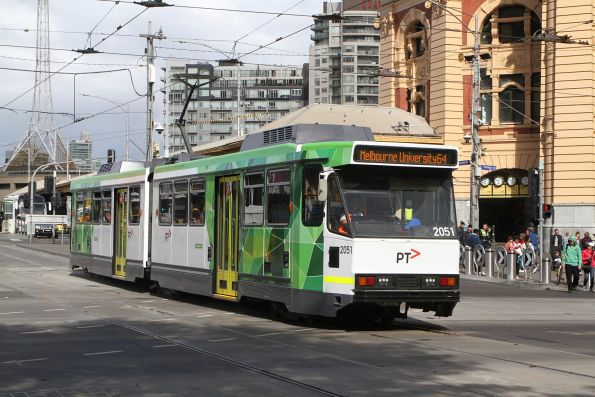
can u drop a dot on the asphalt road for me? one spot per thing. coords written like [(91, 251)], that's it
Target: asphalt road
[(68, 333)]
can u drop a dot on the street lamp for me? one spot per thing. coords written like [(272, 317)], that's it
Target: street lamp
[(32, 196), (125, 111)]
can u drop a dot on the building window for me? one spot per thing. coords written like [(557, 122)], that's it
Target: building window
[(511, 23), (416, 40)]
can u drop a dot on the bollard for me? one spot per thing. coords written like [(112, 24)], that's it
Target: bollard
[(469, 260), (546, 270), (488, 261), (511, 266)]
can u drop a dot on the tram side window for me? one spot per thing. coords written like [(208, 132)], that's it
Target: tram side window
[(180, 203), (96, 207), (165, 204), (106, 208), (134, 215), (312, 208), (197, 202), (253, 205), (87, 208), (278, 189), (79, 207)]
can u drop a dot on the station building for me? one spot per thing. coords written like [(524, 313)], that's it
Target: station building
[(536, 99)]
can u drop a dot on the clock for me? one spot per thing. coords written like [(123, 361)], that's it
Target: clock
[(511, 181), (485, 181), (498, 181), (525, 180)]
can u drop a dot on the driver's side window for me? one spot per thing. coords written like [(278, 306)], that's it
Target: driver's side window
[(337, 221)]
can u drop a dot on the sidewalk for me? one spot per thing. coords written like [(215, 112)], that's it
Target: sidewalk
[(42, 244), (521, 283)]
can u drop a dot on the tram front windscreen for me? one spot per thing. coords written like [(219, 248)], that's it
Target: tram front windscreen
[(389, 202)]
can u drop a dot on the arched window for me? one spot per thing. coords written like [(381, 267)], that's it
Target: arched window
[(511, 23), (416, 40)]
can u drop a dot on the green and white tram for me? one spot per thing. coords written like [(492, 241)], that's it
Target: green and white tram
[(319, 218)]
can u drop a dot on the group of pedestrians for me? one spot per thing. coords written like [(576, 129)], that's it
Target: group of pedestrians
[(470, 237), (577, 255), (519, 244)]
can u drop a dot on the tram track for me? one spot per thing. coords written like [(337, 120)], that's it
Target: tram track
[(231, 361)]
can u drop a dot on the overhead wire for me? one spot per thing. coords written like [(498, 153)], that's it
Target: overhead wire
[(264, 24), (74, 60)]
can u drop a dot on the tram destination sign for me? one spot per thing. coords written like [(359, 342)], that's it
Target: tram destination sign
[(431, 157)]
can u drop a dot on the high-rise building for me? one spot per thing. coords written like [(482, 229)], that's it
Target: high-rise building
[(214, 111), (344, 54), (81, 153)]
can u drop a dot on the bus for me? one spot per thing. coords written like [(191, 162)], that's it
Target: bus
[(318, 219)]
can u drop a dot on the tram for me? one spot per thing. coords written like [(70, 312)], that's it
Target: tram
[(320, 219)]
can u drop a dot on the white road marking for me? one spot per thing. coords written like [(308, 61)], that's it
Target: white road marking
[(14, 239), (25, 361), (90, 307), (204, 315), (12, 313), (160, 346), (149, 301), (222, 340), (37, 332), (99, 353), (165, 319), (54, 310), (90, 326), (284, 332)]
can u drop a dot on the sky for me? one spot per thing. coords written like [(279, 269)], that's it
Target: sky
[(199, 34)]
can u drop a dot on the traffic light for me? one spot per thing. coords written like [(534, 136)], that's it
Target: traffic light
[(547, 211), (49, 184)]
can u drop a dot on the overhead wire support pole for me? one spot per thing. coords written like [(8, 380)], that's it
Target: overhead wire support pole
[(475, 142), (150, 81)]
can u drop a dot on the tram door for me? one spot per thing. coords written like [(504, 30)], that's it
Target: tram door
[(226, 240), (120, 231)]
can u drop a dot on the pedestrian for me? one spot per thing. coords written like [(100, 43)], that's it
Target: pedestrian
[(585, 241), (474, 241), (461, 233), (588, 268), (1, 220), (519, 249), (533, 239), (556, 245), (572, 259), (485, 236), (509, 245)]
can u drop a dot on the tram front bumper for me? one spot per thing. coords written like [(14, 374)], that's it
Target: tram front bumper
[(388, 297)]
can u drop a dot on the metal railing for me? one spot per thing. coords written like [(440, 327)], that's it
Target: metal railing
[(497, 263)]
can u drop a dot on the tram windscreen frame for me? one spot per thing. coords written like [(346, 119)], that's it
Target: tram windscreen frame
[(385, 202)]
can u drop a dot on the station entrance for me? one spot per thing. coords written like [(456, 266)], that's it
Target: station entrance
[(504, 202)]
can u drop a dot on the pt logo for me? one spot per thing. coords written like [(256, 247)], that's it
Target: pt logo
[(407, 255)]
